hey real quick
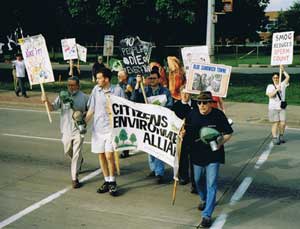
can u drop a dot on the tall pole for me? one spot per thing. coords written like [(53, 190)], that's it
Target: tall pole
[(210, 29)]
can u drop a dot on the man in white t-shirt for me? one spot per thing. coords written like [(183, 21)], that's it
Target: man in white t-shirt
[(277, 115), (19, 65)]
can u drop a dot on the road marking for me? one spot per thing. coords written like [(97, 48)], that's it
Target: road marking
[(36, 137), (243, 187), (26, 110), (44, 201)]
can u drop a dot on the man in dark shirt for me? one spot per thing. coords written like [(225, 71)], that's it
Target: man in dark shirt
[(98, 65), (206, 161)]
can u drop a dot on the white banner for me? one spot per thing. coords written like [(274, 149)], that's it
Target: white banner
[(108, 47), (37, 61), (146, 127), (196, 54), (82, 52), (282, 48), (69, 48), (209, 77)]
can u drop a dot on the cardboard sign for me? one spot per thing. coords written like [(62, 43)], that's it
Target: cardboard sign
[(146, 127), (82, 52), (108, 47), (209, 77), (197, 54), (69, 49), (136, 55), (37, 61), (282, 48)]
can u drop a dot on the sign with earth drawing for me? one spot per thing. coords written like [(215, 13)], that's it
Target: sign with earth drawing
[(146, 127), (136, 55)]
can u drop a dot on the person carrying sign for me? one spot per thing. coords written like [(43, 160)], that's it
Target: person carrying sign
[(71, 103), (101, 128), (153, 89), (207, 150), (277, 112)]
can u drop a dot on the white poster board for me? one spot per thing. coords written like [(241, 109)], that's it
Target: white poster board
[(108, 47), (69, 48), (37, 61), (282, 48), (146, 127), (82, 52), (196, 54), (209, 77)]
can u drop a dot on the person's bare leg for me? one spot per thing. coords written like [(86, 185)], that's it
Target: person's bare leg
[(281, 131), (103, 164), (275, 126), (111, 163)]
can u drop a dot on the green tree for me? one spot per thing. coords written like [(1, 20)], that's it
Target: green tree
[(117, 140), (290, 20), (123, 135), (132, 138)]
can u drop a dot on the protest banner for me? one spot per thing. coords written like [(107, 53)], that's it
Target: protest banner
[(82, 52), (69, 48), (136, 55), (146, 127), (108, 47), (209, 77), (37, 62), (197, 54), (282, 48)]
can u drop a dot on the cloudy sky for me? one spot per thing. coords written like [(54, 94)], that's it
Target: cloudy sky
[(276, 5)]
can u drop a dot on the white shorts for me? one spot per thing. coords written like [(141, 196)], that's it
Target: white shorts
[(277, 115), (102, 143)]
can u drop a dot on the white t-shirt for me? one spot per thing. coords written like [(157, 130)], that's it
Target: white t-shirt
[(20, 68), (274, 102)]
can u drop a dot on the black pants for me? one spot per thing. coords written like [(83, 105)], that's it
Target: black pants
[(21, 86), (185, 166)]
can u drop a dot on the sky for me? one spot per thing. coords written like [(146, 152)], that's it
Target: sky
[(277, 5)]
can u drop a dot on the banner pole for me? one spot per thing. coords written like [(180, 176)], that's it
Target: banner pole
[(179, 145), (78, 66), (116, 153), (143, 91), (71, 68), (280, 74), (46, 104)]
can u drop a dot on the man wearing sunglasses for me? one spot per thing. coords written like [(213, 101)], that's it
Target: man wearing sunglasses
[(154, 88), (277, 115), (205, 161)]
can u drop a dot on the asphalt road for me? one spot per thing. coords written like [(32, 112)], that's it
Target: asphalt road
[(259, 185)]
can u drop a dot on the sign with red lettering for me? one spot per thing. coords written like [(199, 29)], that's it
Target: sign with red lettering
[(282, 48)]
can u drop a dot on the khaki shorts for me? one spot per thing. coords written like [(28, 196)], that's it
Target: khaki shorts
[(277, 115), (102, 143)]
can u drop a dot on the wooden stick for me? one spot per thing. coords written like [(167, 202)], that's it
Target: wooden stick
[(107, 61), (71, 68), (14, 78), (46, 104), (78, 66), (280, 74), (179, 145), (116, 153), (143, 91)]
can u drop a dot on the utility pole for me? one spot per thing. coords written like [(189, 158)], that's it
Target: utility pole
[(210, 29)]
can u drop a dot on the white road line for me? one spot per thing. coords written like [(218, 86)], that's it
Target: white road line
[(264, 156), (43, 201), (36, 137), (220, 221), (26, 110), (241, 190)]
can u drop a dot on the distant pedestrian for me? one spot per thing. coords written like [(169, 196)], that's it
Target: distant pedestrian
[(277, 112), (97, 65), (20, 73)]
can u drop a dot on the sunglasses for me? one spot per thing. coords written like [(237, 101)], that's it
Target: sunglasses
[(203, 102), (152, 78)]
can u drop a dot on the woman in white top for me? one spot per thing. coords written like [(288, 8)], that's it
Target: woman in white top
[(277, 115)]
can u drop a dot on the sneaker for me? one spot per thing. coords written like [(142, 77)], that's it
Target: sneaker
[(104, 188), (281, 139), (194, 190), (17, 93), (160, 179), (202, 206), (81, 162), (26, 96), (276, 141), (76, 184), (206, 222), (113, 188), (183, 181), (124, 154)]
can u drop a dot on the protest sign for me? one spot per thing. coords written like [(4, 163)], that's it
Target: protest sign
[(136, 55), (108, 47), (197, 54), (146, 127), (160, 100), (69, 48), (82, 52), (37, 61), (209, 77), (115, 64), (282, 48)]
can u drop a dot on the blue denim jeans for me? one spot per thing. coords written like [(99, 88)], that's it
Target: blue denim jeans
[(156, 165), (206, 184)]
